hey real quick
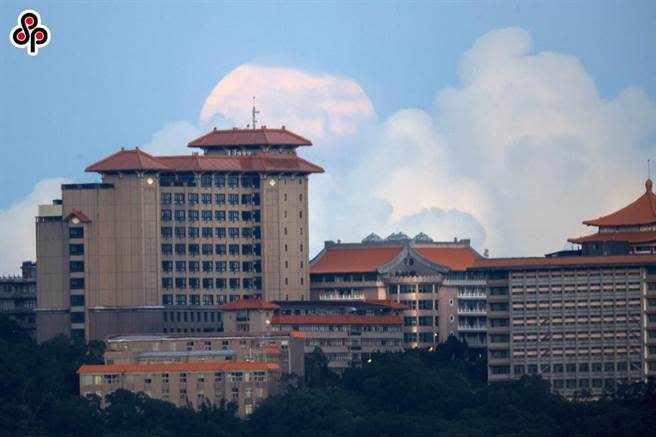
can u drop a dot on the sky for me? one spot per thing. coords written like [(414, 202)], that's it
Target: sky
[(506, 122)]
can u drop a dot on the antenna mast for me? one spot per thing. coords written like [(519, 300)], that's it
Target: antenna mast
[(254, 113)]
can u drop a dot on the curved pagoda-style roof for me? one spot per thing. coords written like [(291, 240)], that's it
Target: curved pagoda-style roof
[(641, 212), (249, 137)]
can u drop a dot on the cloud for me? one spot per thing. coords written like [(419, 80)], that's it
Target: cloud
[(172, 139), (17, 229), (318, 103), (514, 156)]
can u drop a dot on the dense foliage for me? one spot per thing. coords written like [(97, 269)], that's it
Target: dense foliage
[(419, 393)]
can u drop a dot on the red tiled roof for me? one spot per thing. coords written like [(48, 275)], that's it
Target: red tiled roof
[(176, 367), (631, 237), (354, 260), (272, 350), (128, 160), (641, 212), (133, 160), (250, 137), (258, 162), (79, 214), (387, 303), (456, 258), (254, 304), (537, 262), (335, 320)]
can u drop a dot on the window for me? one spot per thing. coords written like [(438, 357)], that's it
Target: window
[(221, 266), (233, 181), (77, 301), (234, 266), (165, 198), (206, 215), (77, 283), (181, 283), (166, 215), (167, 283), (246, 249), (180, 299), (180, 232), (206, 180), (76, 249), (180, 266), (207, 283), (194, 266), (234, 283), (206, 232), (220, 199), (234, 249), (193, 232), (194, 300), (233, 199), (179, 198), (206, 249), (77, 317), (167, 266), (220, 233), (246, 199), (167, 299), (180, 249), (192, 198), (76, 232), (247, 233), (179, 215), (233, 216), (194, 249), (76, 266), (167, 249), (221, 284), (220, 249), (234, 233), (219, 181), (193, 215)]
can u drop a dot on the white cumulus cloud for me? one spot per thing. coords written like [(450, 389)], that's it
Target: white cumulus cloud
[(17, 226)]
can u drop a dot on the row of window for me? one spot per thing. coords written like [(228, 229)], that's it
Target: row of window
[(621, 366), (209, 266), (208, 180), (210, 283), (208, 198), (167, 232), (206, 215), (209, 249)]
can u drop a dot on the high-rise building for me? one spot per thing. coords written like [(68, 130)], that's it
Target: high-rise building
[(163, 233), (429, 278), (585, 320)]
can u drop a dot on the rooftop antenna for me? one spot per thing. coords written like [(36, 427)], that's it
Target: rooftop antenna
[(254, 113)]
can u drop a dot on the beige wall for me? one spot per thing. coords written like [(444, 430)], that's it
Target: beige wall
[(285, 233)]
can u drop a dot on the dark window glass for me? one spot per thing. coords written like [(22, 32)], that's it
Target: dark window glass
[(167, 299), (206, 180), (165, 198), (192, 198), (194, 249), (167, 249), (77, 283), (194, 266), (220, 249), (180, 266), (206, 215), (233, 199), (219, 181), (194, 283), (234, 283), (207, 249), (234, 233), (180, 249), (179, 198), (233, 181), (221, 266), (220, 283), (180, 299), (167, 266), (77, 317), (181, 283), (166, 215), (206, 198), (220, 232), (208, 266), (194, 300), (76, 266), (220, 199), (193, 215), (76, 232), (180, 215), (194, 232), (234, 249), (77, 301), (167, 283), (76, 249)]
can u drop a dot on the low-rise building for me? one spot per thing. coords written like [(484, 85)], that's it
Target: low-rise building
[(347, 332), (194, 384)]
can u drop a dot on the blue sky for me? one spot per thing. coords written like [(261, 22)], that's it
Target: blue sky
[(115, 73)]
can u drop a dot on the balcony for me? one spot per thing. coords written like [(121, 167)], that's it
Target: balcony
[(472, 310), (472, 328)]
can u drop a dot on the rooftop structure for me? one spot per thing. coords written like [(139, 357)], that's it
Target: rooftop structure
[(631, 229)]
